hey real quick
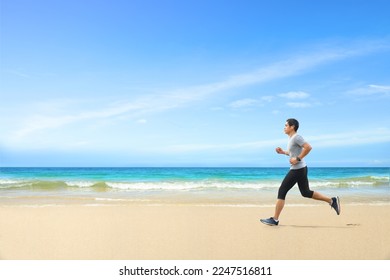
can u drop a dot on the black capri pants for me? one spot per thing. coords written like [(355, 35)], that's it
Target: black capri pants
[(295, 176)]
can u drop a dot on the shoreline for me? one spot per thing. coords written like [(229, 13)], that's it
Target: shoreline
[(140, 231), (259, 199)]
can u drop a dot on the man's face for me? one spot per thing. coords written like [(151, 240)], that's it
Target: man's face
[(287, 128)]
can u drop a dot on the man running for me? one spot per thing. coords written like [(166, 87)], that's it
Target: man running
[(297, 150)]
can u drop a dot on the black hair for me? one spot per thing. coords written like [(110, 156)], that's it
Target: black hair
[(293, 122)]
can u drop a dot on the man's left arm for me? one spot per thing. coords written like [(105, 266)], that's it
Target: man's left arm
[(305, 151)]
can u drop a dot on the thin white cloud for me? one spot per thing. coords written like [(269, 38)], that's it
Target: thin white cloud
[(217, 108), (246, 102), (250, 102), (351, 138), (42, 122), (186, 96), (295, 95), (370, 91), (142, 121), (298, 104), (267, 98), (188, 148), (136, 108), (380, 88), (18, 73)]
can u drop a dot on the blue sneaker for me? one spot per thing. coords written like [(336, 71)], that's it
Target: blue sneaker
[(271, 221), (336, 204)]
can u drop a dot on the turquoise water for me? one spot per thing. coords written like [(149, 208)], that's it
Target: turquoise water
[(234, 185)]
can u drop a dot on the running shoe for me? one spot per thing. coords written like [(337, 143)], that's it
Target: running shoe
[(336, 204), (271, 221)]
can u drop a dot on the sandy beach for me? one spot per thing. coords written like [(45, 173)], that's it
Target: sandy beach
[(191, 232)]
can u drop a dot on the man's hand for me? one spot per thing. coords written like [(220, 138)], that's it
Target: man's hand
[(280, 151)]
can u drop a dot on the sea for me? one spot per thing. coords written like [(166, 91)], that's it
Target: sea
[(245, 187)]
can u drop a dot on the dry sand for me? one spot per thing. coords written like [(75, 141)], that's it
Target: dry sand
[(190, 232)]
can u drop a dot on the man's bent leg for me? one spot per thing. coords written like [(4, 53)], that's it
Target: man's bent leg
[(319, 196)]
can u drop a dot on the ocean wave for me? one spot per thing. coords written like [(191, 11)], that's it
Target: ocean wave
[(32, 185), (355, 182), (140, 186), (184, 185)]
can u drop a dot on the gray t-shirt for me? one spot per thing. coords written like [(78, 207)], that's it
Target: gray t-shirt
[(294, 149)]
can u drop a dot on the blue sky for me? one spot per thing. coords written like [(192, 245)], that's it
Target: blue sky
[(193, 83)]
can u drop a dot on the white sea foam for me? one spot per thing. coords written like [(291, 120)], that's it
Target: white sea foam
[(187, 185), (9, 181), (81, 184)]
